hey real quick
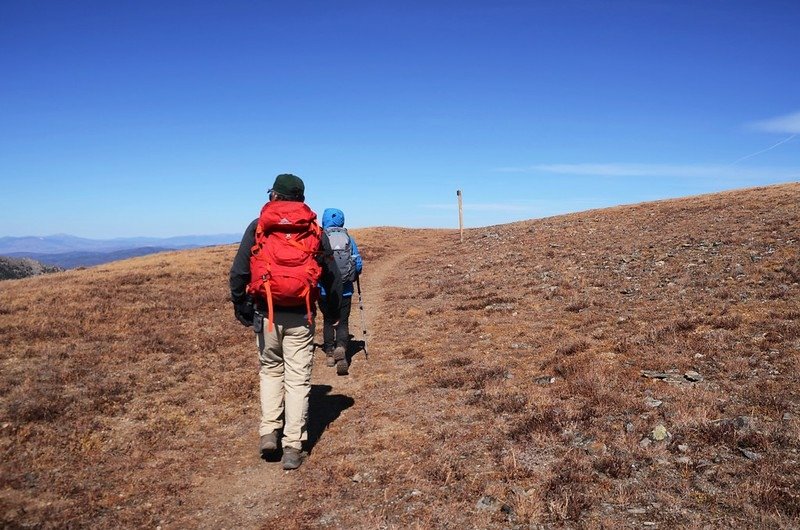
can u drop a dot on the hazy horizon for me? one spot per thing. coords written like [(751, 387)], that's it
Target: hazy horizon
[(454, 225)]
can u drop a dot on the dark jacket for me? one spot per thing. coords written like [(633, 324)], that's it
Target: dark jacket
[(240, 273)]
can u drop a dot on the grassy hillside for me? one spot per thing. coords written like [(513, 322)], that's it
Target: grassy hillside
[(610, 368)]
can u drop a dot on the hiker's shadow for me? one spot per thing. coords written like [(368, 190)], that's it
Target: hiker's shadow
[(354, 347), (323, 409)]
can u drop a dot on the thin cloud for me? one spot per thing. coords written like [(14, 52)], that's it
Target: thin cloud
[(770, 148), (688, 171), (788, 124)]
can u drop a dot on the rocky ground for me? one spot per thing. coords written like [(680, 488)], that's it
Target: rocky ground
[(16, 268), (621, 368)]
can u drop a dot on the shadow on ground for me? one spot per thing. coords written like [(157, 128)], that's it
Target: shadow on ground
[(323, 409), (354, 347)]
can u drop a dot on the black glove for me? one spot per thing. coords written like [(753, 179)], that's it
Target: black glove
[(244, 312)]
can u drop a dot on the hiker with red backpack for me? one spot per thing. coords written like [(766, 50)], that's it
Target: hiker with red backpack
[(335, 329), (282, 260)]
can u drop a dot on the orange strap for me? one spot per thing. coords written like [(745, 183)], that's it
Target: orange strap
[(269, 306), (294, 243), (308, 306)]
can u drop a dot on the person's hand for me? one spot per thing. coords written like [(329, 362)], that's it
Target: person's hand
[(244, 312)]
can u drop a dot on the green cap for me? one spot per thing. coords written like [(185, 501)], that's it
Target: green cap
[(289, 185)]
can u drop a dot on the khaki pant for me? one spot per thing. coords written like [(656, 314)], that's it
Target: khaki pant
[(286, 356)]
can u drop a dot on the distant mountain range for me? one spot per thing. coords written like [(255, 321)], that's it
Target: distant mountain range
[(66, 251)]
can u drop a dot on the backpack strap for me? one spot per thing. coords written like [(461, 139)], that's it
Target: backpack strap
[(270, 311), (296, 244), (308, 306)]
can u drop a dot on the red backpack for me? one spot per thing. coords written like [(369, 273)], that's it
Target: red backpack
[(283, 268)]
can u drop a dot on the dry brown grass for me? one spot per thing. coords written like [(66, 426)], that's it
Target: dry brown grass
[(505, 367)]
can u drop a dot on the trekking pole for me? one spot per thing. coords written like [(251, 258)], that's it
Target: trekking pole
[(361, 311)]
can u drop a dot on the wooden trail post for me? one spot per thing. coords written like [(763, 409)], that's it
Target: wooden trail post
[(460, 215)]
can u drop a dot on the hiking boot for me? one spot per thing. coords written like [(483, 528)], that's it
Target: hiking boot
[(340, 358), (339, 353), (330, 362), (269, 443), (342, 367), (292, 458)]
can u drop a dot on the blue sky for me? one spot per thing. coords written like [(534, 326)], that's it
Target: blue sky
[(137, 118)]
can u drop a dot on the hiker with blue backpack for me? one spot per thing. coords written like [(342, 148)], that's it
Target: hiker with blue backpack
[(335, 329)]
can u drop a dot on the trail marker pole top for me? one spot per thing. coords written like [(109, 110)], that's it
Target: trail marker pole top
[(460, 215)]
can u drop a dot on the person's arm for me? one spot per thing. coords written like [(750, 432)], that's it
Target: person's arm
[(240, 277), (331, 279), (356, 256)]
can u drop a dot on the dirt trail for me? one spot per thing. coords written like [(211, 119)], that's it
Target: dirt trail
[(245, 491)]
